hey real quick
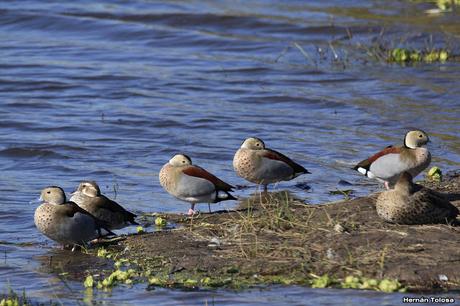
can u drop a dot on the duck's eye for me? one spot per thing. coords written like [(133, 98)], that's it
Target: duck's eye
[(48, 192), (183, 161), (420, 136), (258, 144)]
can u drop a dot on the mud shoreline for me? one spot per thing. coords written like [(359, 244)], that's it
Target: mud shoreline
[(275, 238)]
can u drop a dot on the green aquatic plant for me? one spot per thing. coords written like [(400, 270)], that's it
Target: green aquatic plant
[(434, 174), (117, 277), (364, 283), (404, 55), (10, 301), (89, 281), (106, 253), (160, 222), (13, 299), (357, 282), (322, 281), (446, 4), (346, 193), (391, 285)]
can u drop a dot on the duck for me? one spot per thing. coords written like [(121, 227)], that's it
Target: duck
[(258, 164), (64, 221), (410, 203), (88, 196), (387, 165), (193, 184)]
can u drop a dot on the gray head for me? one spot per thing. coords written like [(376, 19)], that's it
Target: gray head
[(180, 160), (415, 139), (253, 143), (53, 195), (89, 188)]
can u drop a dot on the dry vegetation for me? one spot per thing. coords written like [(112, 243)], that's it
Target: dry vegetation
[(275, 238)]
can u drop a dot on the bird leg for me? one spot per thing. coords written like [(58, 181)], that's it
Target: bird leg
[(265, 188), (387, 186), (209, 207), (192, 211)]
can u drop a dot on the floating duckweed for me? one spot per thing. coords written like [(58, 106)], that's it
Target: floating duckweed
[(443, 55), (116, 277), (160, 222), (155, 281), (140, 230), (352, 282), (322, 282), (122, 262), (443, 6), (402, 55), (399, 55), (386, 285), (101, 252), (206, 281), (11, 301), (190, 282), (435, 174), (368, 284), (390, 285), (357, 282), (89, 281)]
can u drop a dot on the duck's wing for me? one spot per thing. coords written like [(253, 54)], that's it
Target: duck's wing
[(438, 203), (70, 209), (382, 162), (275, 155), (102, 202), (198, 172)]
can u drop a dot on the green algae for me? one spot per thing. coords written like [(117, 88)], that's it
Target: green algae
[(407, 55), (434, 174)]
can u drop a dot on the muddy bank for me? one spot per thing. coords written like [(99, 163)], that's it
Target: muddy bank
[(275, 238)]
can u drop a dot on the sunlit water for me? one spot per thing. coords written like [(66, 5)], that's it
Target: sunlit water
[(109, 91)]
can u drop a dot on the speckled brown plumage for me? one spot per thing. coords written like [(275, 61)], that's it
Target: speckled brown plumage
[(410, 203), (245, 164), (193, 184), (258, 164), (168, 177), (65, 222)]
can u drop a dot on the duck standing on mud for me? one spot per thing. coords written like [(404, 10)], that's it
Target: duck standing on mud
[(409, 203), (260, 165), (66, 222), (193, 184), (387, 165)]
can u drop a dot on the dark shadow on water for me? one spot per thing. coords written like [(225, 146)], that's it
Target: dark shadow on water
[(74, 265)]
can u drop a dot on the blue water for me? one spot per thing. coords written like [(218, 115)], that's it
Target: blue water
[(110, 90)]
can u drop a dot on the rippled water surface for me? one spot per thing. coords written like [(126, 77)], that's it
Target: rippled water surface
[(110, 90)]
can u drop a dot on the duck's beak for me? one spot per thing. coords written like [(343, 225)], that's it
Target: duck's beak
[(36, 201)]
